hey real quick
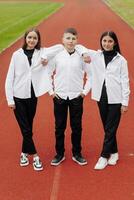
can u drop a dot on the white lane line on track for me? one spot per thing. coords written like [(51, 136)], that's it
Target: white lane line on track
[(56, 183)]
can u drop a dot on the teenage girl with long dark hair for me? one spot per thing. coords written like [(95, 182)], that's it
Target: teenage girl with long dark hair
[(26, 80), (109, 85)]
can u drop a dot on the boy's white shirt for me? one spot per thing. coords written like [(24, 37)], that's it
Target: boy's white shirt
[(115, 76), (21, 74), (68, 79)]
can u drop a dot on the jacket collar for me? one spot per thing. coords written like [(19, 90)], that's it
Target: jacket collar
[(101, 53), (21, 50)]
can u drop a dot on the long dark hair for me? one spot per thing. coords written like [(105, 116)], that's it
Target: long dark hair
[(114, 37), (38, 45)]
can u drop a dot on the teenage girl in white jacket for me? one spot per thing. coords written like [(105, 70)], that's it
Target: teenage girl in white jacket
[(26, 80), (109, 84)]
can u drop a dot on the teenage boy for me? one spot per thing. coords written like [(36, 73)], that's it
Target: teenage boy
[(68, 94)]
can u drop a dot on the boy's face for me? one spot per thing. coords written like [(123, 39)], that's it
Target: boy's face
[(69, 40)]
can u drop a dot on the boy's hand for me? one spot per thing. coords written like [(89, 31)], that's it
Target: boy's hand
[(44, 62), (86, 58)]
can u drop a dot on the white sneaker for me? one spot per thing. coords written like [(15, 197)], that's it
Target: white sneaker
[(37, 164), (24, 160), (101, 164), (113, 159)]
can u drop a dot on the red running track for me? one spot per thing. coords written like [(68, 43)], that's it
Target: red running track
[(69, 181)]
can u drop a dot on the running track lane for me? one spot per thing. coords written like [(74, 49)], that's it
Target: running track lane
[(69, 181)]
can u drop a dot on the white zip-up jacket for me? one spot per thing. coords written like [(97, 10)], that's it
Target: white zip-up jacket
[(21, 74), (69, 75), (115, 76)]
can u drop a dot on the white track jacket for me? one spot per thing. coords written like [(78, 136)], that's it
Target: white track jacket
[(21, 74), (115, 76)]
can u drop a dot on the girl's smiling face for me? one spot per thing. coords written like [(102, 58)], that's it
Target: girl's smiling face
[(31, 40), (107, 43)]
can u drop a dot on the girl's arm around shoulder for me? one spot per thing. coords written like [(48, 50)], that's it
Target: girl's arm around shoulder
[(86, 53), (50, 52), (84, 50)]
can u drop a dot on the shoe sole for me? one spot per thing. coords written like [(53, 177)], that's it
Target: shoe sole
[(56, 164), (24, 165), (37, 169), (73, 158), (114, 163), (101, 168)]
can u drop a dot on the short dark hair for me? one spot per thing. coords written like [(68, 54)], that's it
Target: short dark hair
[(73, 31), (114, 37), (38, 45)]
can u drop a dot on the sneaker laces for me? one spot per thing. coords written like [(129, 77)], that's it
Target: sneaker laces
[(37, 160), (101, 159), (23, 156)]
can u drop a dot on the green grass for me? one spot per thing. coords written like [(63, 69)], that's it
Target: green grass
[(124, 8), (16, 18)]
